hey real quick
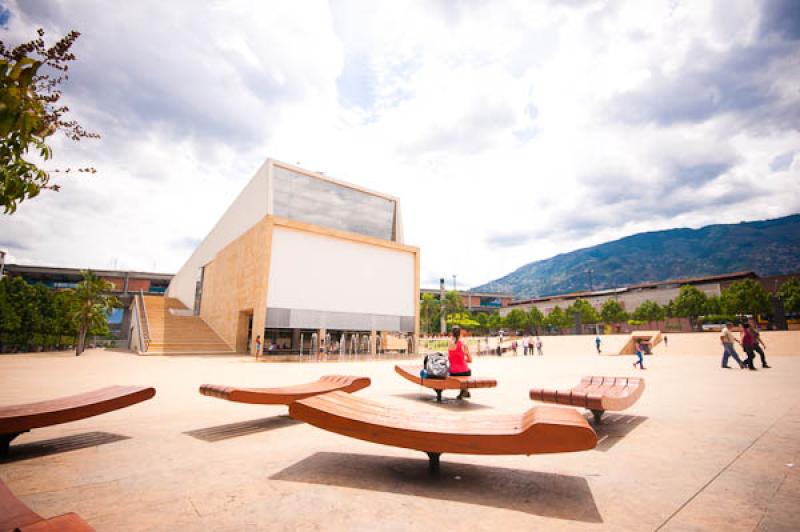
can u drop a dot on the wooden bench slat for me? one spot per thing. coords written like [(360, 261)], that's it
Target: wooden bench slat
[(24, 417), (286, 394), (14, 514), (598, 394), (539, 430)]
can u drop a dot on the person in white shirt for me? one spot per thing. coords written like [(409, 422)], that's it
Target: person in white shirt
[(728, 350)]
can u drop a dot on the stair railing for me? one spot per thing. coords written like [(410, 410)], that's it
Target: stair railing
[(145, 322)]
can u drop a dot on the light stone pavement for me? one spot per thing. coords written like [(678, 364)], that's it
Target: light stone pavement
[(703, 449)]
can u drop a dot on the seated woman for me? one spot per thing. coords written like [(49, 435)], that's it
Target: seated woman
[(458, 353)]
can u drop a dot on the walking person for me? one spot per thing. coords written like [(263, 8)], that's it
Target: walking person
[(666, 341), (597, 342), (747, 342), (539, 346), (728, 350), (530, 345), (639, 354), (458, 354), (258, 345), (525, 346), (758, 343)]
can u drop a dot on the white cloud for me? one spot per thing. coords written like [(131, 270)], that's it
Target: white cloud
[(510, 133)]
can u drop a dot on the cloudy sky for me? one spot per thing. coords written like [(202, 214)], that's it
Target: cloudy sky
[(511, 131)]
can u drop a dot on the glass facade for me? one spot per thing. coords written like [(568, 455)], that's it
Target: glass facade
[(315, 201)]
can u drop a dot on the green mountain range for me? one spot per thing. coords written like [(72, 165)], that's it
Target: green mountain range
[(769, 247)]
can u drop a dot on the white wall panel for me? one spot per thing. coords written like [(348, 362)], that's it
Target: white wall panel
[(316, 272)]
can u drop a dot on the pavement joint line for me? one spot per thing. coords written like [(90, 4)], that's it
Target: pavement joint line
[(766, 510), (725, 468)]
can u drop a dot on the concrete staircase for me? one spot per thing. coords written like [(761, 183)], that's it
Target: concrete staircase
[(172, 334)]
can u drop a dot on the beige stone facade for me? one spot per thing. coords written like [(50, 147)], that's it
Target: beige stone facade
[(236, 282)]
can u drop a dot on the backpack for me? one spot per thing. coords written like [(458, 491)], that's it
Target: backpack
[(436, 366)]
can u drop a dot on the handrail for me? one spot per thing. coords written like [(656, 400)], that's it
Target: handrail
[(145, 322), (139, 328)]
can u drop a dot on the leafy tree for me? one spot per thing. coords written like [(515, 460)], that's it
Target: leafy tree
[(745, 297), (585, 310), (789, 292), (612, 312), (462, 319), (30, 79), (429, 310), (494, 321), (536, 319), (648, 311), (713, 306), (92, 307), (452, 304), (690, 303), (516, 319), (558, 319)]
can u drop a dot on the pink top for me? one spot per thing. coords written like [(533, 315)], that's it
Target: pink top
[(747, 337), (456, 355)]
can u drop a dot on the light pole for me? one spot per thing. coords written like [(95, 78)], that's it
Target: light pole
[(2, 262), (442, 322), (590, 271), (454, 283)]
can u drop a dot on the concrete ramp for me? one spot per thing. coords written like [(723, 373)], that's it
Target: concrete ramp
[(650, 337)]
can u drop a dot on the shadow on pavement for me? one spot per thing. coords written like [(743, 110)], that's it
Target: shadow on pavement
[(614, 428), (242, 428), (25, 451), (531, 492)]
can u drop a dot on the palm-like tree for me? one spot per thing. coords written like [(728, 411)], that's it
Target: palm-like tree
[(92, 306)]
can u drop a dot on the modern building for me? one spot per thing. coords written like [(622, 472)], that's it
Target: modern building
[(124, 285), (630, 297), (299, 257), (475, 302)]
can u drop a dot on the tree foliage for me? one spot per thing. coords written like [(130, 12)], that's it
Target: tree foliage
[(93, 303), (612, 312), (30, 78), (429, 310), (789, 292), (648, 311), (516, 319), (584, 309), (690, 302), (745, 297), (34, 317), (463, 320), (558, 319), (536, 319)]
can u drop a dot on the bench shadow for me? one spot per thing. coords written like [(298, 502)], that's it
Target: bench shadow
[(614, 428), (242, 428), (448, 403), (36, 449), (530, 492)]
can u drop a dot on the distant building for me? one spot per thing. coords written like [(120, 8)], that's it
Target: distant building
[(630, 297), (476, 302), (124, 283)]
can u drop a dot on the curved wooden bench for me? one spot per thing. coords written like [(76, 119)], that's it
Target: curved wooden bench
[(539, 430), (438, 385), (286, 394), (597, 394), (14, 515), (16, 419)]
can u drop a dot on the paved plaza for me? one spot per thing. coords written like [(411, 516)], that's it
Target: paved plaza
[(703, 449)]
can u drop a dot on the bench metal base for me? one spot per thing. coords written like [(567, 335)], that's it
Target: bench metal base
[(5, 441), (598, 415), (438, 396), (433, 463)]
